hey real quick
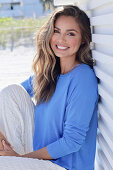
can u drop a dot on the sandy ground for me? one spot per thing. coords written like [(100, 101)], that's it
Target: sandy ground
[(15, 66)]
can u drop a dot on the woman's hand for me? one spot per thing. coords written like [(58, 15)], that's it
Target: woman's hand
[(2, 137), (8, 150)]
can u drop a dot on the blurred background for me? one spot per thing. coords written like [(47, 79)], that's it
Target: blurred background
[(20, 21)]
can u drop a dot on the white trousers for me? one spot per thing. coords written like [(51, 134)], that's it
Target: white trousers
[(17, 125)]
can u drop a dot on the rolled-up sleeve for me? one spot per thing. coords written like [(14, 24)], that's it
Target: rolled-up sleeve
[(79, 110)]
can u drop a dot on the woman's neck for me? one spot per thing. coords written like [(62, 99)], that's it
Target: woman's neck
[(68, 66)]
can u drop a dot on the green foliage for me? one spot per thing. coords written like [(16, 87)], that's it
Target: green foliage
[(3, 19), (17, 29), (28, 22)]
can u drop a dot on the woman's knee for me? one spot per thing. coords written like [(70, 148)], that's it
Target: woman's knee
[(10, 89), (14, 95)]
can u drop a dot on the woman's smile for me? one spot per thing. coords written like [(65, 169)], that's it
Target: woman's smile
[(61, 47)]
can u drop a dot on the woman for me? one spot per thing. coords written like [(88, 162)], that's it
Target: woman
[(66, 96)]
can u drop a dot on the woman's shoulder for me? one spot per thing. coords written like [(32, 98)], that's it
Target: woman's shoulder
[(84, 75), (84, 71), (84, 82)]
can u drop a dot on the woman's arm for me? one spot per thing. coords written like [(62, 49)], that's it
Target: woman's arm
[(39, 154), (28, 85)]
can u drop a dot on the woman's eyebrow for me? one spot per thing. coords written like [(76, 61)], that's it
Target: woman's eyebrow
[(72, 30), (67, 29)]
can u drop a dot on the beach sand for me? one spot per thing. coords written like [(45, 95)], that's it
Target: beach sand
[(15, 66)]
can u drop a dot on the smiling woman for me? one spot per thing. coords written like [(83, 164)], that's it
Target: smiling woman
[(61, 126)]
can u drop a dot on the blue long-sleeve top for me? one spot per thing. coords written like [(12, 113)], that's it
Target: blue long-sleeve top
[(67, 124)]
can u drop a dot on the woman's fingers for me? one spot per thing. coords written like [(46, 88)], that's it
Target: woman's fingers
[(6, 146), (1, 145), (2, 137)]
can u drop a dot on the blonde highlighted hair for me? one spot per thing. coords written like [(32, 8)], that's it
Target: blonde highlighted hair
[(46, 65)]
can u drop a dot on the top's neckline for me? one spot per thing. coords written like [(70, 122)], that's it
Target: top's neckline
[(73, 68)]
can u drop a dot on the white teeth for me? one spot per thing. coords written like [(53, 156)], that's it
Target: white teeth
[(62, 48)]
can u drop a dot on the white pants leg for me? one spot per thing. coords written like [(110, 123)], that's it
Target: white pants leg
[(16, 118), (17, 125)]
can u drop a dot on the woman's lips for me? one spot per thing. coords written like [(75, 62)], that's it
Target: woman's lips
[(61, 47)]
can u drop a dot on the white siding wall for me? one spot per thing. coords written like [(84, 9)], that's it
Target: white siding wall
[(101, 17)]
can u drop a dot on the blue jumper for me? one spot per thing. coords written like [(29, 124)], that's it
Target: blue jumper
[(67, 124)]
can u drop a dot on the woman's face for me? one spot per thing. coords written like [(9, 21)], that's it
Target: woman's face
[(66, 38)]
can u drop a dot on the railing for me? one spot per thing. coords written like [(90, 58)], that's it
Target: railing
[(16, 36)]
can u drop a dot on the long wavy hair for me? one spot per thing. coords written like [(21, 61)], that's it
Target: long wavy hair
[(46, 65)]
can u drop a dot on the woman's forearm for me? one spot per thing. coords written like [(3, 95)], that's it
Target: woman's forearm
[(39, 154), (6, 150)]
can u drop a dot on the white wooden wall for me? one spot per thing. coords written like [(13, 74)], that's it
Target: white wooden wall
[(101, 17)]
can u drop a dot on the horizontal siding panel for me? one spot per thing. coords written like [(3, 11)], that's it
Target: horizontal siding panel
[(106, 134), (102, 10), (106, 151), (97, 3), (104, 49), (105, 156), (103, 29), (108, 109), (103, 39), (105, 79), (105, 95), (102, 57), (102, 20), (106, 143), (104, 161), (103, 66), (107, 117)]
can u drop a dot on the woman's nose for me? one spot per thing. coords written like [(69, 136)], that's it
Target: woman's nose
[(62, 38)]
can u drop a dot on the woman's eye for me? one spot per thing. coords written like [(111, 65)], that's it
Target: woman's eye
[(56, 31), (71, 34)]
